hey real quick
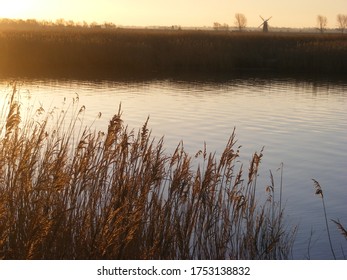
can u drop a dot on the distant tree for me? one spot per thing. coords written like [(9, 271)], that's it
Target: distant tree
[(32, 22), (109, 25), (322, 22), (217, 26), (240, 21), (94, 24), (60, 22), (342, 22), (46, 23), (70, 23)]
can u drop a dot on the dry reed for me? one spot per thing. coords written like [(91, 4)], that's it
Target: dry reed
[(118, 195), (341, 228), (87, 52), (319, 191)]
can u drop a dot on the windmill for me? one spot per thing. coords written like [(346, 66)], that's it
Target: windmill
[(265, 24)]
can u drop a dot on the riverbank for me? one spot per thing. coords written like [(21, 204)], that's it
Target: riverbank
[(82, 52)]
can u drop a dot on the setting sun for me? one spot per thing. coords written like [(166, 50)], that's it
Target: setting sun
[(15, 8)]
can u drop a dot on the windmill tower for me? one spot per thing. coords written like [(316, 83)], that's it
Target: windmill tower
[(265, 24)]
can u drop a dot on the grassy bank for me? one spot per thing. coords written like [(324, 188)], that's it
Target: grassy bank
[(69, 192), (111, 52)]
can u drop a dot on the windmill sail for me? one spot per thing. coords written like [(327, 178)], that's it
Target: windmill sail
[(265, 24)]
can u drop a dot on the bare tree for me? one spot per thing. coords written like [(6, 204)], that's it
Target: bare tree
[(216, 26), (219, 26), (322, 22), (240, 21), (70, 23), (342, 22), (60, 22)]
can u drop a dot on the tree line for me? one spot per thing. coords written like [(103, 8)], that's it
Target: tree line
[(6, 23), (322, 22), (240, 22)]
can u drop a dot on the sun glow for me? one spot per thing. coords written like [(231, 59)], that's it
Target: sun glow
[(15, 8)]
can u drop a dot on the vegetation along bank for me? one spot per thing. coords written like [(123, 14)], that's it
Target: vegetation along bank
[(108, 52)]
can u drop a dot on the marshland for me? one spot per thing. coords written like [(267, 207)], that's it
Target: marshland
[(94, 52), (239, 125)]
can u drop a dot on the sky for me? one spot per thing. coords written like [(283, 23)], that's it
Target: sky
[(192, 13)]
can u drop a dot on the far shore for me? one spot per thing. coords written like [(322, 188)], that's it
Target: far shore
[(79, 52)]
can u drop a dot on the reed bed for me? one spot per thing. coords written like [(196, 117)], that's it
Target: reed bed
[(71, 192), (86, 52)]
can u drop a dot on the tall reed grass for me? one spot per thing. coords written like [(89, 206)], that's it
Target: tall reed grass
[(319, 191), (76, 52), (71, 192)]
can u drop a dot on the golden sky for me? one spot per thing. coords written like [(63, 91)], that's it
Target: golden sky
[(291, 13)]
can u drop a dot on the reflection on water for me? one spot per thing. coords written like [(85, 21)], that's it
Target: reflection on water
[(300, 123)]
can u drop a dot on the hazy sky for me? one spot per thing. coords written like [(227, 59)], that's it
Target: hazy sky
[(291, 13)]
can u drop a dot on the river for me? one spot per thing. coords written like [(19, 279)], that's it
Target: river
[(301, 123)]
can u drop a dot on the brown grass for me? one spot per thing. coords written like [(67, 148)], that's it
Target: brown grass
[(319, 191), (68, 192), (341, 228), (110, 53)]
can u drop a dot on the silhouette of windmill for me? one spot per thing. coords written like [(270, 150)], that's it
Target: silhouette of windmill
[(265, 24)]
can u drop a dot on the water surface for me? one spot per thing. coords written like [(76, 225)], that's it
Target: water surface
[(300, 123)]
